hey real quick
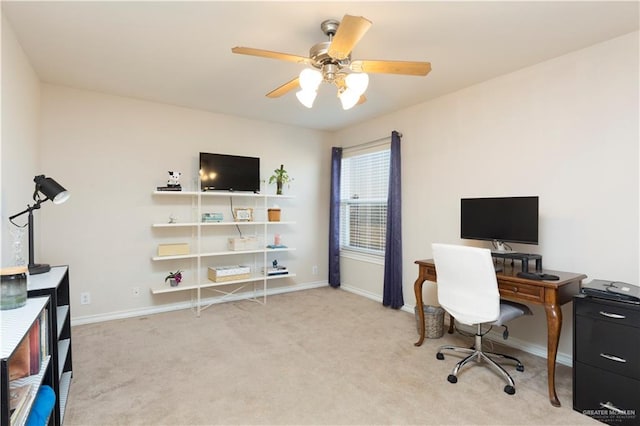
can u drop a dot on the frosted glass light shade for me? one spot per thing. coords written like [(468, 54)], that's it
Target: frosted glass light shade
[(358, 82), (349, 98), (306, 97), (310, 79)]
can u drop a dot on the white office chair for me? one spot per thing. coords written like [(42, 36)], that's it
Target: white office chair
[(468, 291)]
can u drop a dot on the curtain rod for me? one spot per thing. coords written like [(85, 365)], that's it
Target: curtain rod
[(369, 144)]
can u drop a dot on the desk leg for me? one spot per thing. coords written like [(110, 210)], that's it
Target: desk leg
[(417, 288), (554, 324)]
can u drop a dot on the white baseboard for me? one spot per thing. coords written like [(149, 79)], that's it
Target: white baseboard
[(139, 312), (364, 293)]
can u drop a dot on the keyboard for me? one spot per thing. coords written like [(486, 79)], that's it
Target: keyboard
[(539, 276)]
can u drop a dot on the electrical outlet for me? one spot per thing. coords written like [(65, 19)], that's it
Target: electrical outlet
[(314, 269), (85, 298), (135, 291)]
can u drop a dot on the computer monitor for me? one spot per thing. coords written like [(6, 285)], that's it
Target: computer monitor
[(500, 219)]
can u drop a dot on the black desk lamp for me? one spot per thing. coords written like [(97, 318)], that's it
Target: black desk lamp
[(53, 191)]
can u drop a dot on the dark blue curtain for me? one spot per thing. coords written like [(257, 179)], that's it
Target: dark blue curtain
[(334, 218), (393, 250)]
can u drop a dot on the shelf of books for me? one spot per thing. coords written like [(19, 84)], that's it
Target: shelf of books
[(25, 358), (55, 285)]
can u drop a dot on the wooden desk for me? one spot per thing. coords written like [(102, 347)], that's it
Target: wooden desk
[(550, 294)]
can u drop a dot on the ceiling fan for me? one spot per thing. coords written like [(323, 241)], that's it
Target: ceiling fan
[(331, 62)]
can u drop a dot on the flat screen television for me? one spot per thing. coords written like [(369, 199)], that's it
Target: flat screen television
[(221, 172), (500, 219)]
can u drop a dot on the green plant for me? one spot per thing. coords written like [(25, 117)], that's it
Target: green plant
[(177, 275), (280, 176)]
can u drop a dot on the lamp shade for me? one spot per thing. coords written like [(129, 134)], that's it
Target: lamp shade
[(357, 82), (51, 189), (310, 79), (349, 98), (306, 97)]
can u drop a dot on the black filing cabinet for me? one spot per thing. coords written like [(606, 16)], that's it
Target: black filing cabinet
[(606, 360)]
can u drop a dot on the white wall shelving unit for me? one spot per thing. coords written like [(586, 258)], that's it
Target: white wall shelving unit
[(209, 251)]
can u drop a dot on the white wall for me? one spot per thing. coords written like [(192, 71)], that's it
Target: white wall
[(111, 153), (19, 146), (565, 130)]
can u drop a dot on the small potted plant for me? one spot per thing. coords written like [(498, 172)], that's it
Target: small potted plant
[(174, 278), (280, 177)]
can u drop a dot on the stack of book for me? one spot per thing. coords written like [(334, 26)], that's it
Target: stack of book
[(278, 270), (169, 188), (27, 361)]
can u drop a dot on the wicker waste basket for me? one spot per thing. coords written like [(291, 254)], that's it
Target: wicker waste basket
[(433, 321)]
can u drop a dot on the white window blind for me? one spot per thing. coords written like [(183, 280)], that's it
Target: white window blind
[(363, 200)]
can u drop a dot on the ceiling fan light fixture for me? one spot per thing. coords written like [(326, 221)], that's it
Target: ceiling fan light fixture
[(349, 98), (330, 62), (306, 97), (310, 79), (357, 82)]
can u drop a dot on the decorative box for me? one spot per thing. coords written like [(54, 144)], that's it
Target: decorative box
[(228, 273), (243, 243), (212, 217), (173, 249)]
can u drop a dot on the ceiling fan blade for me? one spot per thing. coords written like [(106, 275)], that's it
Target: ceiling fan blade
[(284, 89), (349, 33), (270, 54), (392, 67)]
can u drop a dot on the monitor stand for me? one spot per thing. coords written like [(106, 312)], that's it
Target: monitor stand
[(524, 258)]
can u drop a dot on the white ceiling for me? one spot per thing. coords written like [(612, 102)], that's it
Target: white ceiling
[(179, 53)]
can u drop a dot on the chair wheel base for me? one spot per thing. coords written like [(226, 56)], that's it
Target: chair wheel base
[(520, 367), (439, 356), (454, 379), (509, 389)]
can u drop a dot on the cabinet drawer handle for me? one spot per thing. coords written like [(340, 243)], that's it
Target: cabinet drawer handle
[(610, 315), (613, 358), (611, 407)]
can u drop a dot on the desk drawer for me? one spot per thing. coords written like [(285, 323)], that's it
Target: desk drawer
[(594, 388), (430, 272), (612, 347), (521, 291), (608, 310)]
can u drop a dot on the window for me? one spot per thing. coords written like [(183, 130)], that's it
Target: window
[(363, 200)]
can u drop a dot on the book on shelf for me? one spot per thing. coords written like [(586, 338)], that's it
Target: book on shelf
[(276, 246), (27, 358), (169, 188), (278, 270), (19, 363), (20, 414), (44, 334), (18, 395), (34, 348)]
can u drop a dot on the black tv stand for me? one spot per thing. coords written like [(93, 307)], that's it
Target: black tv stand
[(524, 258)]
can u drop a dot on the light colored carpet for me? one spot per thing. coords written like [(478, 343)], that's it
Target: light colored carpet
[(322, 357)]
